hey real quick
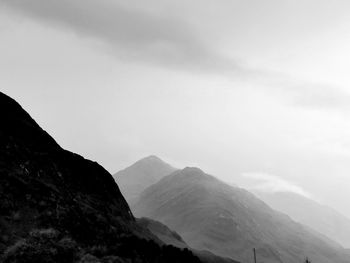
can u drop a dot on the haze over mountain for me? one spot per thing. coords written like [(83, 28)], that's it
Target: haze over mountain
[(137, 177), (57, 206), (230, 221), (319, 217)]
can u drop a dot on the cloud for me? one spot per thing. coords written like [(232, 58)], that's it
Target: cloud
[(323, 97), (303, 93), (134, 34), (129, 32), (272, 184)]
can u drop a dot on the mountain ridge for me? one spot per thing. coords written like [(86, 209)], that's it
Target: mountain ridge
[(319, 217), (226, 220)]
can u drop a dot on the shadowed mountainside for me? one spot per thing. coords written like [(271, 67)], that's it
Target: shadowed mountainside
[(57, 206), (162, 232), (172, 238), (137, 177), (310, 213), (229, 221)]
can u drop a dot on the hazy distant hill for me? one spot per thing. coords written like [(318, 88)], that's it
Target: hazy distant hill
[(230, 221), (310, 213), (137, 177), (56, 206)]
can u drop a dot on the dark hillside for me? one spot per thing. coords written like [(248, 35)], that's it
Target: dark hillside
[(57, 206)]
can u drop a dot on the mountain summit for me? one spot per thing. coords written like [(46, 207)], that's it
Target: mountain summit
[(137, 177)]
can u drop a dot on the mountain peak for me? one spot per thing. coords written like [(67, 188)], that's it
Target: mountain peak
[(196, 174), (151, 159), (189, 169), (16, 122), (137, 177)]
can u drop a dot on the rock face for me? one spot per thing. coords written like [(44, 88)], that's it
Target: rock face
[(310, 213), (229, 221), (137, 177), (57, 206)]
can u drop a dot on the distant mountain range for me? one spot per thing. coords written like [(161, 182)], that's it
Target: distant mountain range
[(310, 213), (58, 207), (134, 179), (228, 221)]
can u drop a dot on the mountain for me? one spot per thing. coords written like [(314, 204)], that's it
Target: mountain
[(230, 222), (137, 177), (57, 206), (172, 238), (310, 213)]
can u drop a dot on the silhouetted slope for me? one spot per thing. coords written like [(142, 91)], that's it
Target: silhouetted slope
[(137, 177), (230, 221), (162, 232), (57, 206), (172, 238), (310, 213)]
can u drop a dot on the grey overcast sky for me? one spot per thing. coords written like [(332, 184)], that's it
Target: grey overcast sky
[(254, 92)]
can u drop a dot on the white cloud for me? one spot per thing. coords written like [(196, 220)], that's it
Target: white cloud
[(273, 184), (165, 40)]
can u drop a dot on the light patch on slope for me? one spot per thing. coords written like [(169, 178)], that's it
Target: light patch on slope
[(272, 184)]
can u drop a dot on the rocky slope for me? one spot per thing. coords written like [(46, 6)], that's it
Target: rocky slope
[(57, 206)]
